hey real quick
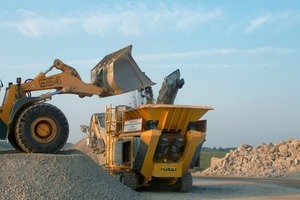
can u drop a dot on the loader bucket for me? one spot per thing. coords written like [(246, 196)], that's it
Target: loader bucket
[(118, 73)]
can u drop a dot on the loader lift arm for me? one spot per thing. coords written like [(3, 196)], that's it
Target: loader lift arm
[(68, 81)]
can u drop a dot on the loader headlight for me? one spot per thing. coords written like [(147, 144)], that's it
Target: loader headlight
[(19, 80)]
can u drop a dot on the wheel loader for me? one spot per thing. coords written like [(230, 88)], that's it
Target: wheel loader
[(152, 144), (31, 125)]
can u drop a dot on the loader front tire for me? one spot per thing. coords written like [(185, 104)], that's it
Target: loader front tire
[(41, 128), (12, 140)]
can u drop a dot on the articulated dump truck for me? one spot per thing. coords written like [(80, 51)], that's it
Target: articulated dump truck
[(33, 126), (151, 144)]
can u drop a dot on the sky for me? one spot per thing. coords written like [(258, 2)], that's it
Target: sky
[(240, 57)]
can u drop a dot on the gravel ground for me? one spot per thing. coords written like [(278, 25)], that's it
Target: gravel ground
[(75, 174), (231, 188), (67, 175)]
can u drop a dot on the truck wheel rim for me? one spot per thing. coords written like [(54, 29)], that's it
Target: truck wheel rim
[(43, 130)]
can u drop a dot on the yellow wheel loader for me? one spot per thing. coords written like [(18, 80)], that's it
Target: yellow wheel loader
[(153, 143), (33, 126)]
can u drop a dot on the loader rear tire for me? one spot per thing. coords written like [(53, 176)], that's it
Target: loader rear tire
[(185, 183), (41, 128)]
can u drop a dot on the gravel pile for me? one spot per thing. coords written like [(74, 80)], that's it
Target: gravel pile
[(67, 175), (82, 147), (266, 160)]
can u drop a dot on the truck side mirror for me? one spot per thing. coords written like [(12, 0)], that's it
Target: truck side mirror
[(1, 84)]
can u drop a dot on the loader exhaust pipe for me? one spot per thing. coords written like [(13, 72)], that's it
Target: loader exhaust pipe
[(118, 73)]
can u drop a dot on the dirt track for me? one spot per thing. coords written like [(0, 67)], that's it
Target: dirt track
[(231, 188)]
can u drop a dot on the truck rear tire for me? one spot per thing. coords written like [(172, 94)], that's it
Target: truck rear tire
[(185, 183), (129, 179), (41, 128)]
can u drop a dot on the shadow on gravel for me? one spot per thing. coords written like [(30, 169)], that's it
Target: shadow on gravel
[(9, 151), (62, 152)]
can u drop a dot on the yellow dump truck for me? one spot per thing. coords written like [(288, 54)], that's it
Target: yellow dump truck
[(152, 143)]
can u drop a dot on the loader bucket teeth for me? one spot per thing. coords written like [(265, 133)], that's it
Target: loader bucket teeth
[(118, 73)]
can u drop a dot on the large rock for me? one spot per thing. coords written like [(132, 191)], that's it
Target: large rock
[(266, 160)]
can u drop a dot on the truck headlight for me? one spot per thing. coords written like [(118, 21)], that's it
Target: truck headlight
[(162, 147), (176, 147)]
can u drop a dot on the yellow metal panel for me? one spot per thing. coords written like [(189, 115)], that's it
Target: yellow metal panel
[(175, 117), (150, 138), (9, 100), (149, 168), (192, 140), (167, 170)]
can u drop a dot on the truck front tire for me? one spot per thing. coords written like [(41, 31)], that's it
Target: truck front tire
[(185, 183)]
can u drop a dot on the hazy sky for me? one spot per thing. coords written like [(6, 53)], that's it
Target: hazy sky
[(240, 57)]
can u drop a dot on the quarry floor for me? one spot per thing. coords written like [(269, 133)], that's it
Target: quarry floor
[(231, 188)]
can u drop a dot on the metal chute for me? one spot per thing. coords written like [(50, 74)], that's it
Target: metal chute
[(170, 86), (118, 73)]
